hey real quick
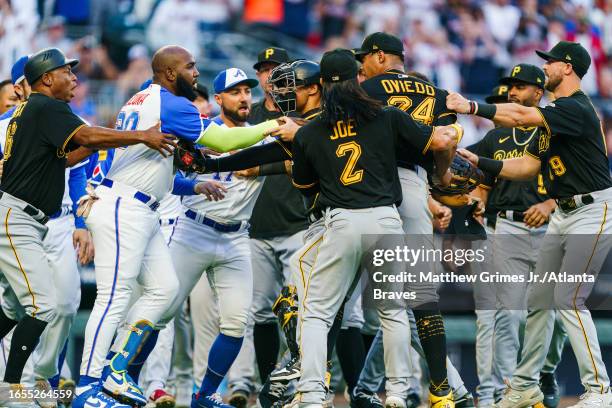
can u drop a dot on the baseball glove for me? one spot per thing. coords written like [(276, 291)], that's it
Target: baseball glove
[(188, 158), (465, 177)]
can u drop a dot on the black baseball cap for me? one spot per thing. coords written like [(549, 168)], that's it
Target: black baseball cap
[(338, 65), (525, 73), (380, 42), (570, 52), (271, 54), (499, 94)]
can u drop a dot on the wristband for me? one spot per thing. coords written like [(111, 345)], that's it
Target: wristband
[(485, 110), (491, 166), (459, 130)]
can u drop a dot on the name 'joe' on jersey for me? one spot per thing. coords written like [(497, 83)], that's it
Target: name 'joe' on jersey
[(143, 168)]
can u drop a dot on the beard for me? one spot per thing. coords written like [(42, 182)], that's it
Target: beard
[(552, 83), (235, 115), (185, 88)]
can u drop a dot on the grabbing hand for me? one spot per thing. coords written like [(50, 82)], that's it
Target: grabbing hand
[(286, 132), (154, 139), (213, 190), (441, 217), (469, 156), (252, 172), (456, 102)]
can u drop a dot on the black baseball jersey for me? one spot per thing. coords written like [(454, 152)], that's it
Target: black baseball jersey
[(279, 209), (421, 100), (355, 166), (37, 139), (508, 143), (571, 147)]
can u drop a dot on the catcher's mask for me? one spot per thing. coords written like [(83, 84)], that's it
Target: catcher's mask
[(286, 78)]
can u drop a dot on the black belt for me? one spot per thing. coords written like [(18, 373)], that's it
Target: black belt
[(33, 212), (518, 216), (572, 203), (315, 215), (202, 219)]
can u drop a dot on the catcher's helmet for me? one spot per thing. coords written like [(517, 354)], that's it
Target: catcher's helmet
[(44, 61), (287, 77)]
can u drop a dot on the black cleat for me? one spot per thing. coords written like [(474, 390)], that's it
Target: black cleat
[(413, 400), (364, 399), (465, 401), (550, 389)]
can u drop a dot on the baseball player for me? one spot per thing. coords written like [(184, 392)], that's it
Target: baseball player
[(60, 243), (226, 255), (8, 98), (570, 154), (343, 185), (40, 134), (381, 55), (520, 214), (131, 247)]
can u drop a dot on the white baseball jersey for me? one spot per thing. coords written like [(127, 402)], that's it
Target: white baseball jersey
[(140, 167), (239, 200)]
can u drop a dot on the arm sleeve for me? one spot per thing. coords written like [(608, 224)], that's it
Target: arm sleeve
[(483, 148), (183, 185), (564, 116), (247, 158), (59, 124), (77, 182), (302, 173), (409, 131), (224, 139), (272, 169)]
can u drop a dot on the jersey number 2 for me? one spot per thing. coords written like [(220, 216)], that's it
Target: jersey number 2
[(349, 175)]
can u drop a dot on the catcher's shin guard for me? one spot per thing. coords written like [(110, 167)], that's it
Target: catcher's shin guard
[(285, 308)]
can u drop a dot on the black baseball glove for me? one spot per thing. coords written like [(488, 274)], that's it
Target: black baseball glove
[(465, 177), (188, 158)]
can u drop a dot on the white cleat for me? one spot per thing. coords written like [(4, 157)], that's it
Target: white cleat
[(594, 400), (395, 402)]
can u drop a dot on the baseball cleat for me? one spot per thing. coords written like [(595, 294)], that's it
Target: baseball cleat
[(67, 388), (465, 401), (395, 402), (43, 389), (364, 399), (120, 386), (239, 398), (521, 398), (97, 399), (550, 389), (208, 401), (413, 400), (161, 399), (441, 401), (594, 400), (291, 371)]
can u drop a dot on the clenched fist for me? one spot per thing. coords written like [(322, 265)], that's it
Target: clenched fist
[(456, 102)]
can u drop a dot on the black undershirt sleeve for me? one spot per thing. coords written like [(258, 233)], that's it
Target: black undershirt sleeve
[(247, 158)]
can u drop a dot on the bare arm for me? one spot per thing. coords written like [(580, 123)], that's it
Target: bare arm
[(443, 145), (521, 168), (101, 137), (506, 114)]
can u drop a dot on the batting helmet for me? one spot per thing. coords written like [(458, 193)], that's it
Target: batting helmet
[(287, 77), (45, 61)]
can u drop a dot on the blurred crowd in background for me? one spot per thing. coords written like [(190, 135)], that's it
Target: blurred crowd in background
[(462, 45)]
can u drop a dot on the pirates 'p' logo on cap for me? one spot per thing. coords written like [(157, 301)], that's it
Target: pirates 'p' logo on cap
[(269, 52)]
